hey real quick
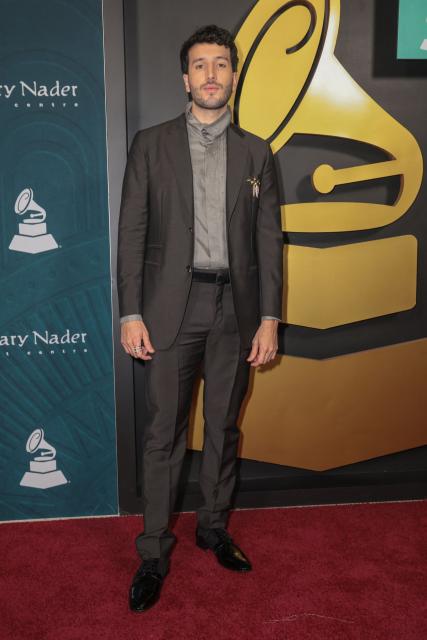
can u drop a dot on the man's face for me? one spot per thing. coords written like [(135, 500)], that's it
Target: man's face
[(210, 78)]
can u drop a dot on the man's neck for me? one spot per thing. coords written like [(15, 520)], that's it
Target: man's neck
[(207, 116)]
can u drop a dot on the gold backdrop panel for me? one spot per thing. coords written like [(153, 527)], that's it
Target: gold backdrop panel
[(344, 284), (320, 414)]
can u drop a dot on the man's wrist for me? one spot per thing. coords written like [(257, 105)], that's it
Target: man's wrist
[(270, 318), (131, 318)]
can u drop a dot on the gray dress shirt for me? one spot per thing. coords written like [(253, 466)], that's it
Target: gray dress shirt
[(208, 150)]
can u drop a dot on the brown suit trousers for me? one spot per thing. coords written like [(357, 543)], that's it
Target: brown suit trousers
[(208, 340)]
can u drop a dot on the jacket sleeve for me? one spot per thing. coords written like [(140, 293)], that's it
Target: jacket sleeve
[(270, 241), (133, 223)]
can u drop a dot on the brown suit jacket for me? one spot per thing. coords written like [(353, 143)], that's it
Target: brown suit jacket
[(156, 237)]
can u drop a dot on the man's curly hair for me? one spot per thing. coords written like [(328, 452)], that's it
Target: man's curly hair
[(212, 35)]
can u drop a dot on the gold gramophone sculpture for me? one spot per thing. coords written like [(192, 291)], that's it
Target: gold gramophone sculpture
[(306, 412), (290, 83)]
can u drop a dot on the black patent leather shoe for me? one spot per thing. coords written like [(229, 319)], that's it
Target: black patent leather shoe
[(227, 552), (146, 586)]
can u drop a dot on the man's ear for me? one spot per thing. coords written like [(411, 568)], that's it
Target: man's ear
[(186, 83), (235, 79)]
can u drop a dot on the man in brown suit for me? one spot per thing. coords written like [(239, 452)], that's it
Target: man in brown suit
[(200, 286)]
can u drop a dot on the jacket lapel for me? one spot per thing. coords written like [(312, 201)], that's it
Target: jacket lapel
[(179, 153), (237, 153)]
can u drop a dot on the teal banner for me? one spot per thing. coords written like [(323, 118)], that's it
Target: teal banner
[(57, 425), (412, 32)]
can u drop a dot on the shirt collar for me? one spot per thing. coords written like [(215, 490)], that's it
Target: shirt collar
[(207, 132)]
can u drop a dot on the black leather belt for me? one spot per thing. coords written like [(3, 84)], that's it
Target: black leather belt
[(216, 277)]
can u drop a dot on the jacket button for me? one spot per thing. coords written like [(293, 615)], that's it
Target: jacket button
[(188, 267), (190, 229)]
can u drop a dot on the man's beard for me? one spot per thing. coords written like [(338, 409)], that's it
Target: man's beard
[(218, 103)]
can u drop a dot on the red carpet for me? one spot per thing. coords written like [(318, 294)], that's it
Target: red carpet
[(320, 573)]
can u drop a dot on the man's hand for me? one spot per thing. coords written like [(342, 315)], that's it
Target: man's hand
[(135, 335), (264, 343)]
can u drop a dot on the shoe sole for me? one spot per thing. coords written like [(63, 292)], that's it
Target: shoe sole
[(150, 606)]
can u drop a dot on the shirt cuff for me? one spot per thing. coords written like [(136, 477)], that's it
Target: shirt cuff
[(138, 316), (134, 316)]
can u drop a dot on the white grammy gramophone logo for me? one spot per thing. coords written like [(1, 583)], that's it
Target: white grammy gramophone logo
[(32, 236), (43, 473)]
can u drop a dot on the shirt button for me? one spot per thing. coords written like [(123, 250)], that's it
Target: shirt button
[(188, 267)]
